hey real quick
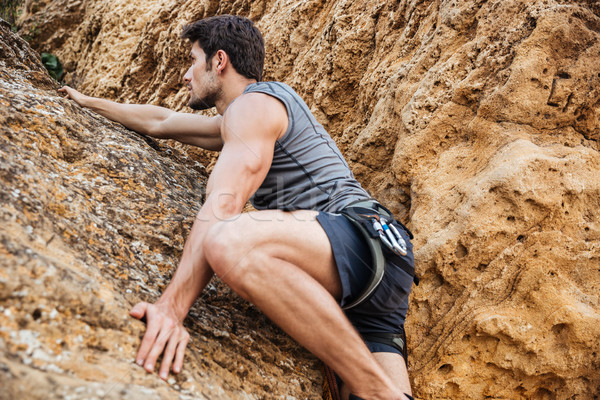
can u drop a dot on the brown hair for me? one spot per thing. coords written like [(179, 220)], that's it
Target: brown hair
[(237, 36)]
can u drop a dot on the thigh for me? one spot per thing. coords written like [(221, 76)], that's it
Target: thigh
[(296, 237)]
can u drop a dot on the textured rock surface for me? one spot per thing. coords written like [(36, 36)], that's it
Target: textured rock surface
[(477, 121), (93, 218)]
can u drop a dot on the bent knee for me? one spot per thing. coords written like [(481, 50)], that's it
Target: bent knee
[(235, 257), (218, 244), (224, 245)]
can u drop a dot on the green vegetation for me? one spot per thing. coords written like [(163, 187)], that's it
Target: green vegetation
[(10, 11), (53, 65)]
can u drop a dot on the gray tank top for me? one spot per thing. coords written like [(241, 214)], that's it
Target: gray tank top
[(308, 171)]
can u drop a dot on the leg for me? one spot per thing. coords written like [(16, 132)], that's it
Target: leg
[(394, 366), (283, 263)]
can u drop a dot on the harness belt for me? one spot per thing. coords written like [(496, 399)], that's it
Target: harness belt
[(396, 340), (371, 218)]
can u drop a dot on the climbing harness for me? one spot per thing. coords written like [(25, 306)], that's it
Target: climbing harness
[(375, 223)]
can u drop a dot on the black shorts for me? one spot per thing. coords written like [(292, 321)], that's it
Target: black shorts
[(385, 311)]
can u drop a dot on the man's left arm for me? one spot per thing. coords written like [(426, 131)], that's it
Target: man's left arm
[(251, 125)]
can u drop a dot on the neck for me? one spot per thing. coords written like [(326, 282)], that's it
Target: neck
[(232, 88)]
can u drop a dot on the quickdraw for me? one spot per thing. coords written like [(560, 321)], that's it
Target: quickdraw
[(388, 234)]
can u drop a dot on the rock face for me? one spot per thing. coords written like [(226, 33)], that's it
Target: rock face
[(477, 122), (93, 219)]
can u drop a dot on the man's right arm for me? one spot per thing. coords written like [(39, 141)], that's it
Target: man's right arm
[(159, 122), (254, 122)]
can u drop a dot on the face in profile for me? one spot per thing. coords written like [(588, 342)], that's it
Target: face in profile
[(201, 80)]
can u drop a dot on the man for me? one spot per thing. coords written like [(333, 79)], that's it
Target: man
[(297, 258)]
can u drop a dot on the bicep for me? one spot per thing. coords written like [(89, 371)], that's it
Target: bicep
[(250, 129), (194, 129), (240, 170)]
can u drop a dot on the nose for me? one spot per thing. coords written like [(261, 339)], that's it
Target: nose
[(187, 78)]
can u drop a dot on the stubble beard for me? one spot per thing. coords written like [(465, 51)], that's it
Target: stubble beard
[(212, 94), (202, 103)]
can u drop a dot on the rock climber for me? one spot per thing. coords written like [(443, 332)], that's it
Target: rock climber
[(319, 257)]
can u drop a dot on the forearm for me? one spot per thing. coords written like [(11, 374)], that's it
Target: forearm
[(159, 122), (142, 118), (194, 273)]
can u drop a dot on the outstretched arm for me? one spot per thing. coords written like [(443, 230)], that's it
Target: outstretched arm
[(252, 124), (159, 122)]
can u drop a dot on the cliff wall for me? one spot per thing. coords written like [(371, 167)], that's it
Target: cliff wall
[(477, 122)]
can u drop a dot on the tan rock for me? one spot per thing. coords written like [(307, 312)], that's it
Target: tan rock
[(477, 122)]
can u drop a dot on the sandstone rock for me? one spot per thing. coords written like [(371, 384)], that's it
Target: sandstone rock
[(476, 121), (93, 219)]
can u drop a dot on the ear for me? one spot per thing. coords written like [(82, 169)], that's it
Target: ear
[(220, 61)]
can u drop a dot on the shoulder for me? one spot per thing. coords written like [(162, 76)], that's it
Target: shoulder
[(257, 111), (256, 102)]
